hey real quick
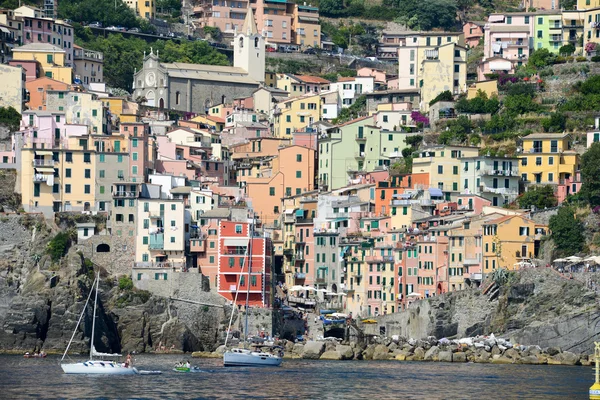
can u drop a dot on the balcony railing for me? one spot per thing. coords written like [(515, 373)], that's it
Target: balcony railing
[(43, 163), (300, 275), (360, 138), (40, 178), (301, 300), (157, 241), (320, 280), (125, 194), (158, 265)]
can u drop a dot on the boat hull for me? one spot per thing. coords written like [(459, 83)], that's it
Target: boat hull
[(250, 359), (97, 367)]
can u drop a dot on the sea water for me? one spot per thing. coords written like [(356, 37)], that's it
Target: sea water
[(296, 379)]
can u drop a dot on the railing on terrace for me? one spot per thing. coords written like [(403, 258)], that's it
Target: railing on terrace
[(158, 265)]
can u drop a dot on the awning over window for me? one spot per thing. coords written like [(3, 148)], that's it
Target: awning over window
[(289, 211), (45, 170), (309, 19), (435, 192), (43, 153), (300, 213), (3, 29), (496, 18), (233, 242)]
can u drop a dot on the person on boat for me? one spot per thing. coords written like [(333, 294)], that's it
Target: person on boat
[(187, 364), (128, 361)]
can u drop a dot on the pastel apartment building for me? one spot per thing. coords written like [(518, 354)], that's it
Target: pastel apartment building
[(160, 239), (302, 85), (493, 178), (143, 8), (89, 65), (473, 31), (51, 60), (278, 21), (38, 91), (548, 159), (39, 29), (13, 90), (350, 88), (244, 264), (432, 62), (295, 114)]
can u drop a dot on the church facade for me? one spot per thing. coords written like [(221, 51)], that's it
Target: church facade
[(196, 87)]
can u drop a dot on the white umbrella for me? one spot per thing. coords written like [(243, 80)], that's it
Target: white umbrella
[(339, 315), (574, 259), (559, 260), (414, 294), (322, 290), (296, 288), (312, 289)]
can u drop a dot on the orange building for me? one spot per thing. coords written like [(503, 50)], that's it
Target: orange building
[(244, 261), (385, 190), (269, 172), (38, 89)]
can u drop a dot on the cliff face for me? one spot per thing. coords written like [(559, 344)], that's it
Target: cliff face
[(41, 301), (536, 307)]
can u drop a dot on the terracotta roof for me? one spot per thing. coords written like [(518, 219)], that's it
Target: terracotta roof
[(346, 79), (215, 119), (311, 79), (355, 120)]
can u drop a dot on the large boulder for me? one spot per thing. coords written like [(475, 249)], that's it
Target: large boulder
[(568, 358), (313, 350), (512, 353), (432, 354), (459, 357), (345, 352), (298, 348), (401, 356), (367, 354), (419, 354), (552, 351), (381, 352), (483, 357), (497, 359), (445, 356), (532, 360), (331, 355)]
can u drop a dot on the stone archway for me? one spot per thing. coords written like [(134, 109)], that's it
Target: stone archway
[(103, 248)]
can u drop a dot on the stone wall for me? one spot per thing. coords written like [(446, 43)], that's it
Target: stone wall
[(118, 260), (543, 216)]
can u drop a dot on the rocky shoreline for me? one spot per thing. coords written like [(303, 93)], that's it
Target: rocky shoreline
[(485, 350)]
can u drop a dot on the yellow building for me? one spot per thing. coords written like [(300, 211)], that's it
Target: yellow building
[(58, 179), (270, 79), (143, 8), (443, 164), (490, 88), (51, 59), (295, 114), (300, 85), (212, 120), (547, 159), (509, 241), (120, 106), (306, 30), (432, 62)]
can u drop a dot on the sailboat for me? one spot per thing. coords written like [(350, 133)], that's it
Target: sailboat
[(241, 356), (94, 366)]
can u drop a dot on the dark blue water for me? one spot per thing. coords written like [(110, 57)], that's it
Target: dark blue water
[(298, 379)]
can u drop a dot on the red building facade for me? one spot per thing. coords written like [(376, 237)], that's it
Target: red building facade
[(234, 261)]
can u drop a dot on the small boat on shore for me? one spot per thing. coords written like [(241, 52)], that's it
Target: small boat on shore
[(185, 369), (35, 355)]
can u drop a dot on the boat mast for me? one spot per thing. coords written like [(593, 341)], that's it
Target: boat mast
[(248, 281), (78, 322), (94, 318)]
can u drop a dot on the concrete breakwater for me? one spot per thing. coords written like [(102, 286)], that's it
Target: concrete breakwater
[(478, 350)]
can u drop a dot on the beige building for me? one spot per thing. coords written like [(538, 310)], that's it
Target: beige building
[(444, 166), (432, 62), (12, 90), (58, 179), (89, 65), (160, 239)]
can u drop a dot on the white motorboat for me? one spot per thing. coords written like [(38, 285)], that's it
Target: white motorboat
[(248, 358), (240, 356), (95, 366)]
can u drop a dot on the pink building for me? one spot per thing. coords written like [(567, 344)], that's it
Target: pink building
[(379, 74), (568, 186), (407, 273), (304, 256), (45, 30), (433, 265), (508, 40), (31, 67), (473, 31)]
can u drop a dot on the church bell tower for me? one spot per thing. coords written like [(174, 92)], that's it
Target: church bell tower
[(249, 49)]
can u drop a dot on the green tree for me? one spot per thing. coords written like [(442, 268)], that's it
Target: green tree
[(519, 104), (556, 123), (540, 58), (58, 246), (567, 231), (108, 12), (443, 96), (331, 8), (539, 197), (590, 171), (10, 117), (567, 49), (125, 283)]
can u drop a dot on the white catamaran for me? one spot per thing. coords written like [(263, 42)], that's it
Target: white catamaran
[(95, 366), (240, 356)]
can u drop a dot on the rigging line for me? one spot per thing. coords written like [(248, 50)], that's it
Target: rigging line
[(236, 294), (78, 322)]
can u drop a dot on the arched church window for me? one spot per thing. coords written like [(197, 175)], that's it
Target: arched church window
[(256, 42)]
